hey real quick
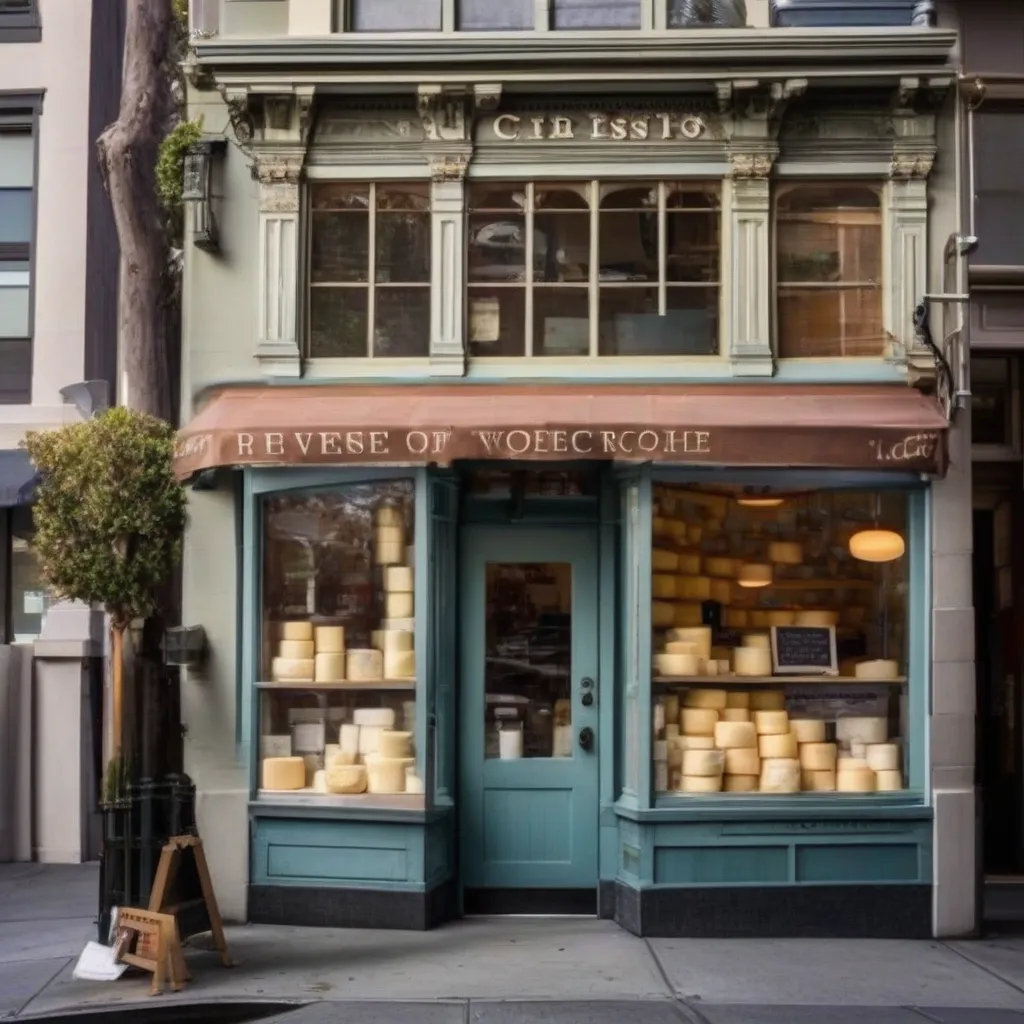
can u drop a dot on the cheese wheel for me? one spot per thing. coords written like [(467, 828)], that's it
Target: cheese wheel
[(394, 744), (671, 705), (676, 664), (759, 618), (780, 775), (735, 734), (862, 730), (780, 617), (664, 561), (701, 783), (660, 776), (388, 515), (383, 718), (818, 781), (699, 636), (413, 783), (369, 739), (658, 716), (287, 670), (398, 579), (663, 586), (881, 669), (671, 727), (300, 649), (407, 625), (681, 647), (348, 739), (723, 666), (762, 641), (721, 591), (737, 699), (807, 730), (735, 715), (689, 564), (399, 665), (777, 745), (695, 742), (377, 639), (858, 750), (346, 778), (675, 752), (735, 618), (397, 640), (887, 781), (660, 749), (883, 757), (742, 783), (296, 630), (330, 639), (698, 721), (723, 567), (275, 746), (767, 700), (817, 618), (818, 757), (785, 553), (398, 605), (850, 763), (329, 668), (283, 773), (771, 723), (364, 665), (751, 661), (704, 699), (695, 533), (687, 615), (703, 762), (855, 780), (662, 613), (320, 781), (709, 668), (390, 533), (742, 761), (389, 546), (694, 588)]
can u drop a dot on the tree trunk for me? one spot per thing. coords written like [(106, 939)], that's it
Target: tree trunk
[(128, 152), (117, 696)]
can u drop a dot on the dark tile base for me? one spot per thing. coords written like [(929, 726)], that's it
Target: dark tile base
[(778, 912), (330, 907)]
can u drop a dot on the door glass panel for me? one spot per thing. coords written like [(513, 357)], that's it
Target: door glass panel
[(528, 660)]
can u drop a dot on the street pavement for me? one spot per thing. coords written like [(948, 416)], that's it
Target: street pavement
[(497, 971)]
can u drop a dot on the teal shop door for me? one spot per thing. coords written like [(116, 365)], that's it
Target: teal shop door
[(528, 719)]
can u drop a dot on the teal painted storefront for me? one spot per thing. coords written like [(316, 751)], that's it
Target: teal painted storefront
[(663, 865)]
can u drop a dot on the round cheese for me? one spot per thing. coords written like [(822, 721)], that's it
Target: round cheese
[(761, 641), (818, 757), (770, 723), (785, 553), (701, 783), (330, 639), (742, 761), (398, 579), (329, 668), (399, 665), (759, 618), (394, 640), (407, 625), (780, 617), (386, 774), (862, 730), (708, 668), (283, 773), (662, 613), (698, 721), (671, 705), (737, 699), (704, 699), (689, 563), (346, 778), (389, 545), (855, 780), (296, 630), (850, 763), (858, 750), (377, 639), (735, 734), (695, 533), (671, 727), (723, 666), (660, 750), (817, 618), (390, 533), (288, 670), (364, 665), (883, 757), (694, 588), (881, 669), (688, 615), (398, 605), (807, 730), (780, 775), (695, 742), (888, 781), (394, 744), (388, 515), (767, 700), (675, 752), (320, 781), (383, 718), (663, 586), (721, 591), (699, 636), (735, 618), (348, 739), (369, 739), (818, 781), (676, 664), (751, 661), (660, 777), (413, 784), (742, 783), (664, 561), (681, 647), (735, 715), (722, 567), (301, 649), (777, 745), (703, 762)]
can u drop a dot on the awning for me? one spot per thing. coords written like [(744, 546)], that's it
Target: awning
[(772, 425), (17, 478)]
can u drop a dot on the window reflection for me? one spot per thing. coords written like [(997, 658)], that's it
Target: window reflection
[(495, 15), (579, 14)]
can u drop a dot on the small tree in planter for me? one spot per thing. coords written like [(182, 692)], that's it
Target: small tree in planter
[(109, 515)]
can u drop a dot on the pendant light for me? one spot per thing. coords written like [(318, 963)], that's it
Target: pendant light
[(754, 498), (877, 544), (754, 574)]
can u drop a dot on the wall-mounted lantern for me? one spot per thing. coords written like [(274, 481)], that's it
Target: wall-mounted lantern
[(185, 646), (198, 193)]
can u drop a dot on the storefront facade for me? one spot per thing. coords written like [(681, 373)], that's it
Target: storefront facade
[(535, 399)]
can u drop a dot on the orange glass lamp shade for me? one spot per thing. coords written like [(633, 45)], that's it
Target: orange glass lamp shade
[(753, 574), (750, 501), (877, 546)]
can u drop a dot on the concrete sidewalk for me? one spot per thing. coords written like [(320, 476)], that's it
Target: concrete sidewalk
[(508, 971)]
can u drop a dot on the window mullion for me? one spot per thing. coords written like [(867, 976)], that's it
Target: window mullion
[(542, 15), (662, 248), (595, 267), (447, 15), (528, 270), (371, 275)]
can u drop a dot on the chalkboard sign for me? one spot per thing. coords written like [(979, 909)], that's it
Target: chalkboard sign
[(804, 650)]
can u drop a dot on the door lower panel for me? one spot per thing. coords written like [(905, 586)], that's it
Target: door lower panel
[(530, 901)]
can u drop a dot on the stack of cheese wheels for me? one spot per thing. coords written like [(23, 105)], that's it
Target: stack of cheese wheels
[(398, 592), (399, 656), (778, 748), (361, 738), (293, 660), (389, 535), (754, 657), (329, 644), (737, 739), (816, 755), (386, 774)]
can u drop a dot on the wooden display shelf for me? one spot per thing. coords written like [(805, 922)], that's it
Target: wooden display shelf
[(372, 684), (808, 680), (369, 801), (787, 583)]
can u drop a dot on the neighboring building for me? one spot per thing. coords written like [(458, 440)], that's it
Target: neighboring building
[(526, 345)]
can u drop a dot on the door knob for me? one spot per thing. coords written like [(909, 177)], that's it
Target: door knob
[(587, 700), (587, 738)]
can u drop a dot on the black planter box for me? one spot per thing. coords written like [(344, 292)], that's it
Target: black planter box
[(850, 13)]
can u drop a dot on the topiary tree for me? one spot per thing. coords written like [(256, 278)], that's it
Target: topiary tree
[(109, 516)]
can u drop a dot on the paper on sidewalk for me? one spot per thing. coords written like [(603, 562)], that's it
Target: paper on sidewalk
[(97, 963)]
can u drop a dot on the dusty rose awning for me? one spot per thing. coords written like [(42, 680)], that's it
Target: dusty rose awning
[(851, 427)]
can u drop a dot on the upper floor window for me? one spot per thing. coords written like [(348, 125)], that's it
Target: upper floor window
[(17, 158), (19, 21), (593, 269), (998, 189), (369, 260), (828, 266)]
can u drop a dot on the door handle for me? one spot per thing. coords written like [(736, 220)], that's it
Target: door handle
[(587, 738)]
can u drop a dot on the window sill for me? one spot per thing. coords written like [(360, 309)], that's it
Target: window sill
[(20, 28), (321, 807), (796, 808)]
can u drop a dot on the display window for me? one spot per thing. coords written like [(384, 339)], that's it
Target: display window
[(780, 642), (337, 690)]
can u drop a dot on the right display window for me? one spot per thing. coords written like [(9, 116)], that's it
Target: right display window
[(780, 641)]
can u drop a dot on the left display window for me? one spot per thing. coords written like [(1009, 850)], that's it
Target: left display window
[(338, 660)]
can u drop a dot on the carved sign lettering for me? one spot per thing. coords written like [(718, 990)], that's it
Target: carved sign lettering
[(660, 127)]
